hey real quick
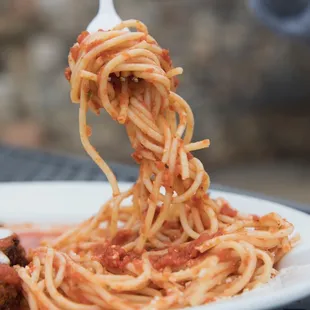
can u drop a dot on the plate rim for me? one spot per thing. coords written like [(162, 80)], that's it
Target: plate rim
[(303, 207), (300, 290)]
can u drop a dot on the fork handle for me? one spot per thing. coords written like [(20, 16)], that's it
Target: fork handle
[(106, 6)]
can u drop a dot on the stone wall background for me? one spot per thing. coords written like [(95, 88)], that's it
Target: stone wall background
[(249, 88)]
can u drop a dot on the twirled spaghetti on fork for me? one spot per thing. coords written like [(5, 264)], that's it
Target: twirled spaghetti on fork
[(173, 246)]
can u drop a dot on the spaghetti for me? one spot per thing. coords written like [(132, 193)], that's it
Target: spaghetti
[(172, 246)]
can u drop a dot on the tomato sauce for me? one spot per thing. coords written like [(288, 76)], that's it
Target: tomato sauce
[(179, 256), (227, 210), (256, 218), (82, 36), (113, 257), (68, 73), (166, 56), (150, 70), (122, 237), (172, 224), (32, 239), (92, 45), (225, 255), (9, 275), (189, 155), (75, 50)]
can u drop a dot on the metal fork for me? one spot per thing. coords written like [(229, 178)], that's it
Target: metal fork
[(106, 17)]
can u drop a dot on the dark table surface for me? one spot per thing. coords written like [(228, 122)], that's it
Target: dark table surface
[(21, 165)]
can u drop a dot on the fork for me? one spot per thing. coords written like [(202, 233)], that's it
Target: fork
[(106, 17)]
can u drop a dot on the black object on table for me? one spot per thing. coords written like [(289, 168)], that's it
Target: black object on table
[(290, 18), (22, 165)]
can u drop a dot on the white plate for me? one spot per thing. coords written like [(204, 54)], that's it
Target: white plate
[(71, 202)]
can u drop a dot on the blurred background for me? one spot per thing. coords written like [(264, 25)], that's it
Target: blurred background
[(249, 88)]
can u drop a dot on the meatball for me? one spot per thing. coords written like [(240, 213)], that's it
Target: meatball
[(11, 248), (11, 253)]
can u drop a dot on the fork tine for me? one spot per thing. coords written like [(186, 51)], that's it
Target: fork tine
[(106, 18)]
